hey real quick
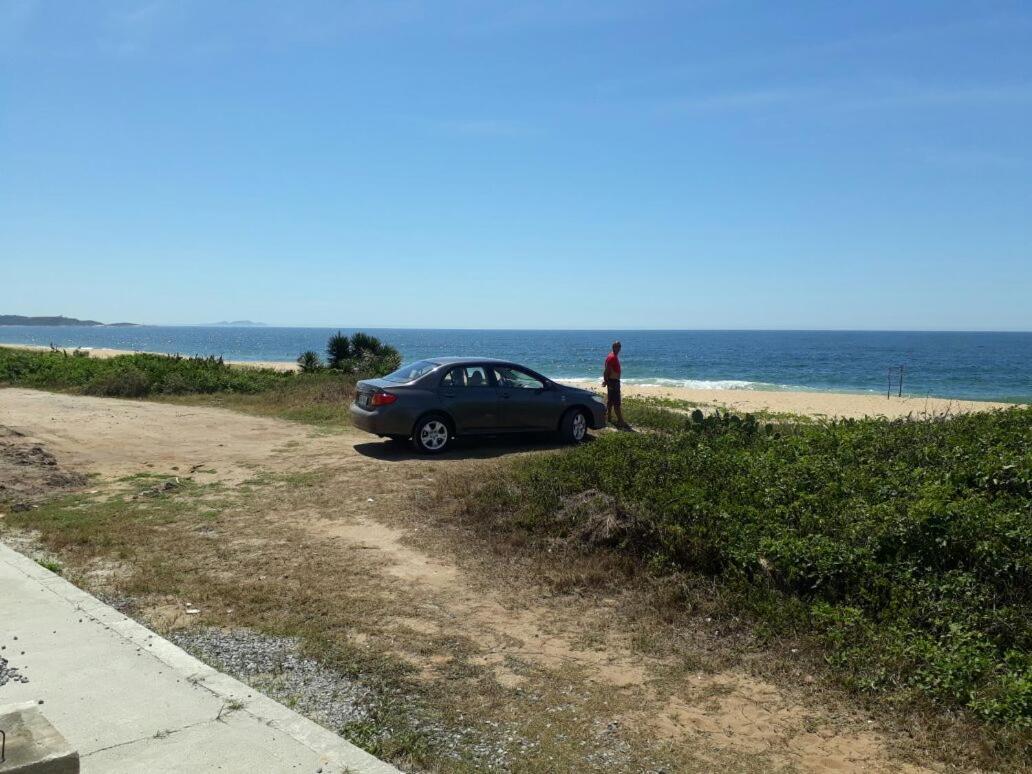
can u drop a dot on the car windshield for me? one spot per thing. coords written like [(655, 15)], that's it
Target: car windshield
[(411, 371)]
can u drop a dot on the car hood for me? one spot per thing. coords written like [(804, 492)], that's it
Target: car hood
[(577, 391)]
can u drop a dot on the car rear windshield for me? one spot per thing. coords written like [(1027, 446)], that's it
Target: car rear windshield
[(411, 371)]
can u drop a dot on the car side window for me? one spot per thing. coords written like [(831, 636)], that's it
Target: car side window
[(466, 376), (518, 380)]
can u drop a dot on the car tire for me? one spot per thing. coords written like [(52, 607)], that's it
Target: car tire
[(574, 426), (432, 434)]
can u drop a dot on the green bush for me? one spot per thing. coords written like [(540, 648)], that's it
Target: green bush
[(132, 375), (363, 355), (309, 362), (906, 545), (338, 351), (362, 343), (125, 382)]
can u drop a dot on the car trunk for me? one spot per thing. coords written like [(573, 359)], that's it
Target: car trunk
[(364, 390)]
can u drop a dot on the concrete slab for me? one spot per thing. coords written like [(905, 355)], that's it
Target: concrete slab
[(31, 744), (129, 700)]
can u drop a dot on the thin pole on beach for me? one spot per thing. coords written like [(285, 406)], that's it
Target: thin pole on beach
[(888, 390), (901, 381)]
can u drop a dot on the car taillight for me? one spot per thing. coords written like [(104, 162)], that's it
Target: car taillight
[(382, 398)]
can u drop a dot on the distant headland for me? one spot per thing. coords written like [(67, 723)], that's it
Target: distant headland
[(17, 319)]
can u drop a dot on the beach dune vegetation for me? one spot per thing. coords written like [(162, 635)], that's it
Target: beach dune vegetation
[(142, 375), (309, 362), (902, 550), (338, 351), (361, 354), (130, 376)]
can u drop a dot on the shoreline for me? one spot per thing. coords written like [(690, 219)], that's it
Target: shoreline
[(105, 352), (839, 405), (843, 405)]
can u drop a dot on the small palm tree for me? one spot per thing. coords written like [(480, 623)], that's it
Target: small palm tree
[(362, 343), (309, 362), (338, 350)]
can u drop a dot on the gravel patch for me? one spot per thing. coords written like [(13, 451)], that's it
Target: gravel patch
[(275, 666), (9, 673)]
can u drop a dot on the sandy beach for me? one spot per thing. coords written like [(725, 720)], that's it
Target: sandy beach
[(815, 404), (275, 365)]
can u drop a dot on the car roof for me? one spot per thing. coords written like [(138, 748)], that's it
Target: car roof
[(459, 360)]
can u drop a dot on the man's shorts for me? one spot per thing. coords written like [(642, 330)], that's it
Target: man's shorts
[(613, 392)]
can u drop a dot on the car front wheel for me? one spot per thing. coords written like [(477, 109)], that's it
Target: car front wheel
[(431, 434), (574, 427)]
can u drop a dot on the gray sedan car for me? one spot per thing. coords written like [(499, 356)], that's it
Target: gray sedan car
[(432, 401)]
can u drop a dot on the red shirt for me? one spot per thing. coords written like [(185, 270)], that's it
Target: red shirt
[(613, 364)]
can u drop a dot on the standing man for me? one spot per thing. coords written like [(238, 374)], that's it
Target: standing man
[(611, 379)]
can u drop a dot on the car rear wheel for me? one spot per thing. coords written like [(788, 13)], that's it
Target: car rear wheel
[(432, 434), (574, 427)]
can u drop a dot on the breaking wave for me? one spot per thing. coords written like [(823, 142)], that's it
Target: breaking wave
[(700, 384)]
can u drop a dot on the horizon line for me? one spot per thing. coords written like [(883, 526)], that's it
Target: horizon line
[(541, 330)]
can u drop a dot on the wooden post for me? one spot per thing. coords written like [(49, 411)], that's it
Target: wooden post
[(901, 381), (888, 390)]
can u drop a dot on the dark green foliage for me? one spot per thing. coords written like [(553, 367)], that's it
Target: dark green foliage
[(905, 547), (338, 351), (362, 343), (127, 381), (309, 362), (131, 376), (142, 375), (378, 363), (362, 355)]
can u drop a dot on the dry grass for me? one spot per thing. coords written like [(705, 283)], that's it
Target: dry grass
[(484, 650), (323, 400), (689, 623), (240, 557)]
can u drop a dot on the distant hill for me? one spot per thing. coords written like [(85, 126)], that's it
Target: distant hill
[(233, 324), (17, 319)]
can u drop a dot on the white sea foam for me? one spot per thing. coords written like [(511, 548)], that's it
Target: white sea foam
[(698, 384)]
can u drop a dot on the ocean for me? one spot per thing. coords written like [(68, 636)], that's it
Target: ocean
[(986, 366)]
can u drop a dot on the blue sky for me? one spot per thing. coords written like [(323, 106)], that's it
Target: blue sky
[(544, 164)]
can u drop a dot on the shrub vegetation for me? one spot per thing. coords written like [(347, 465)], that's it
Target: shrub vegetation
[(903, 547), (133, 376), (362, 355), (316, 395), (309, 362), (142, 375)]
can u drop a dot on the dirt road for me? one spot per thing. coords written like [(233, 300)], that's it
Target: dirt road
[(569, 668)]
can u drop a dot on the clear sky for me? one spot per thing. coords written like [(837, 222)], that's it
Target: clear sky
[(536, 164)]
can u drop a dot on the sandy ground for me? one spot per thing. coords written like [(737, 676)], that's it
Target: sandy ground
[(531, 641), (815, 404)]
